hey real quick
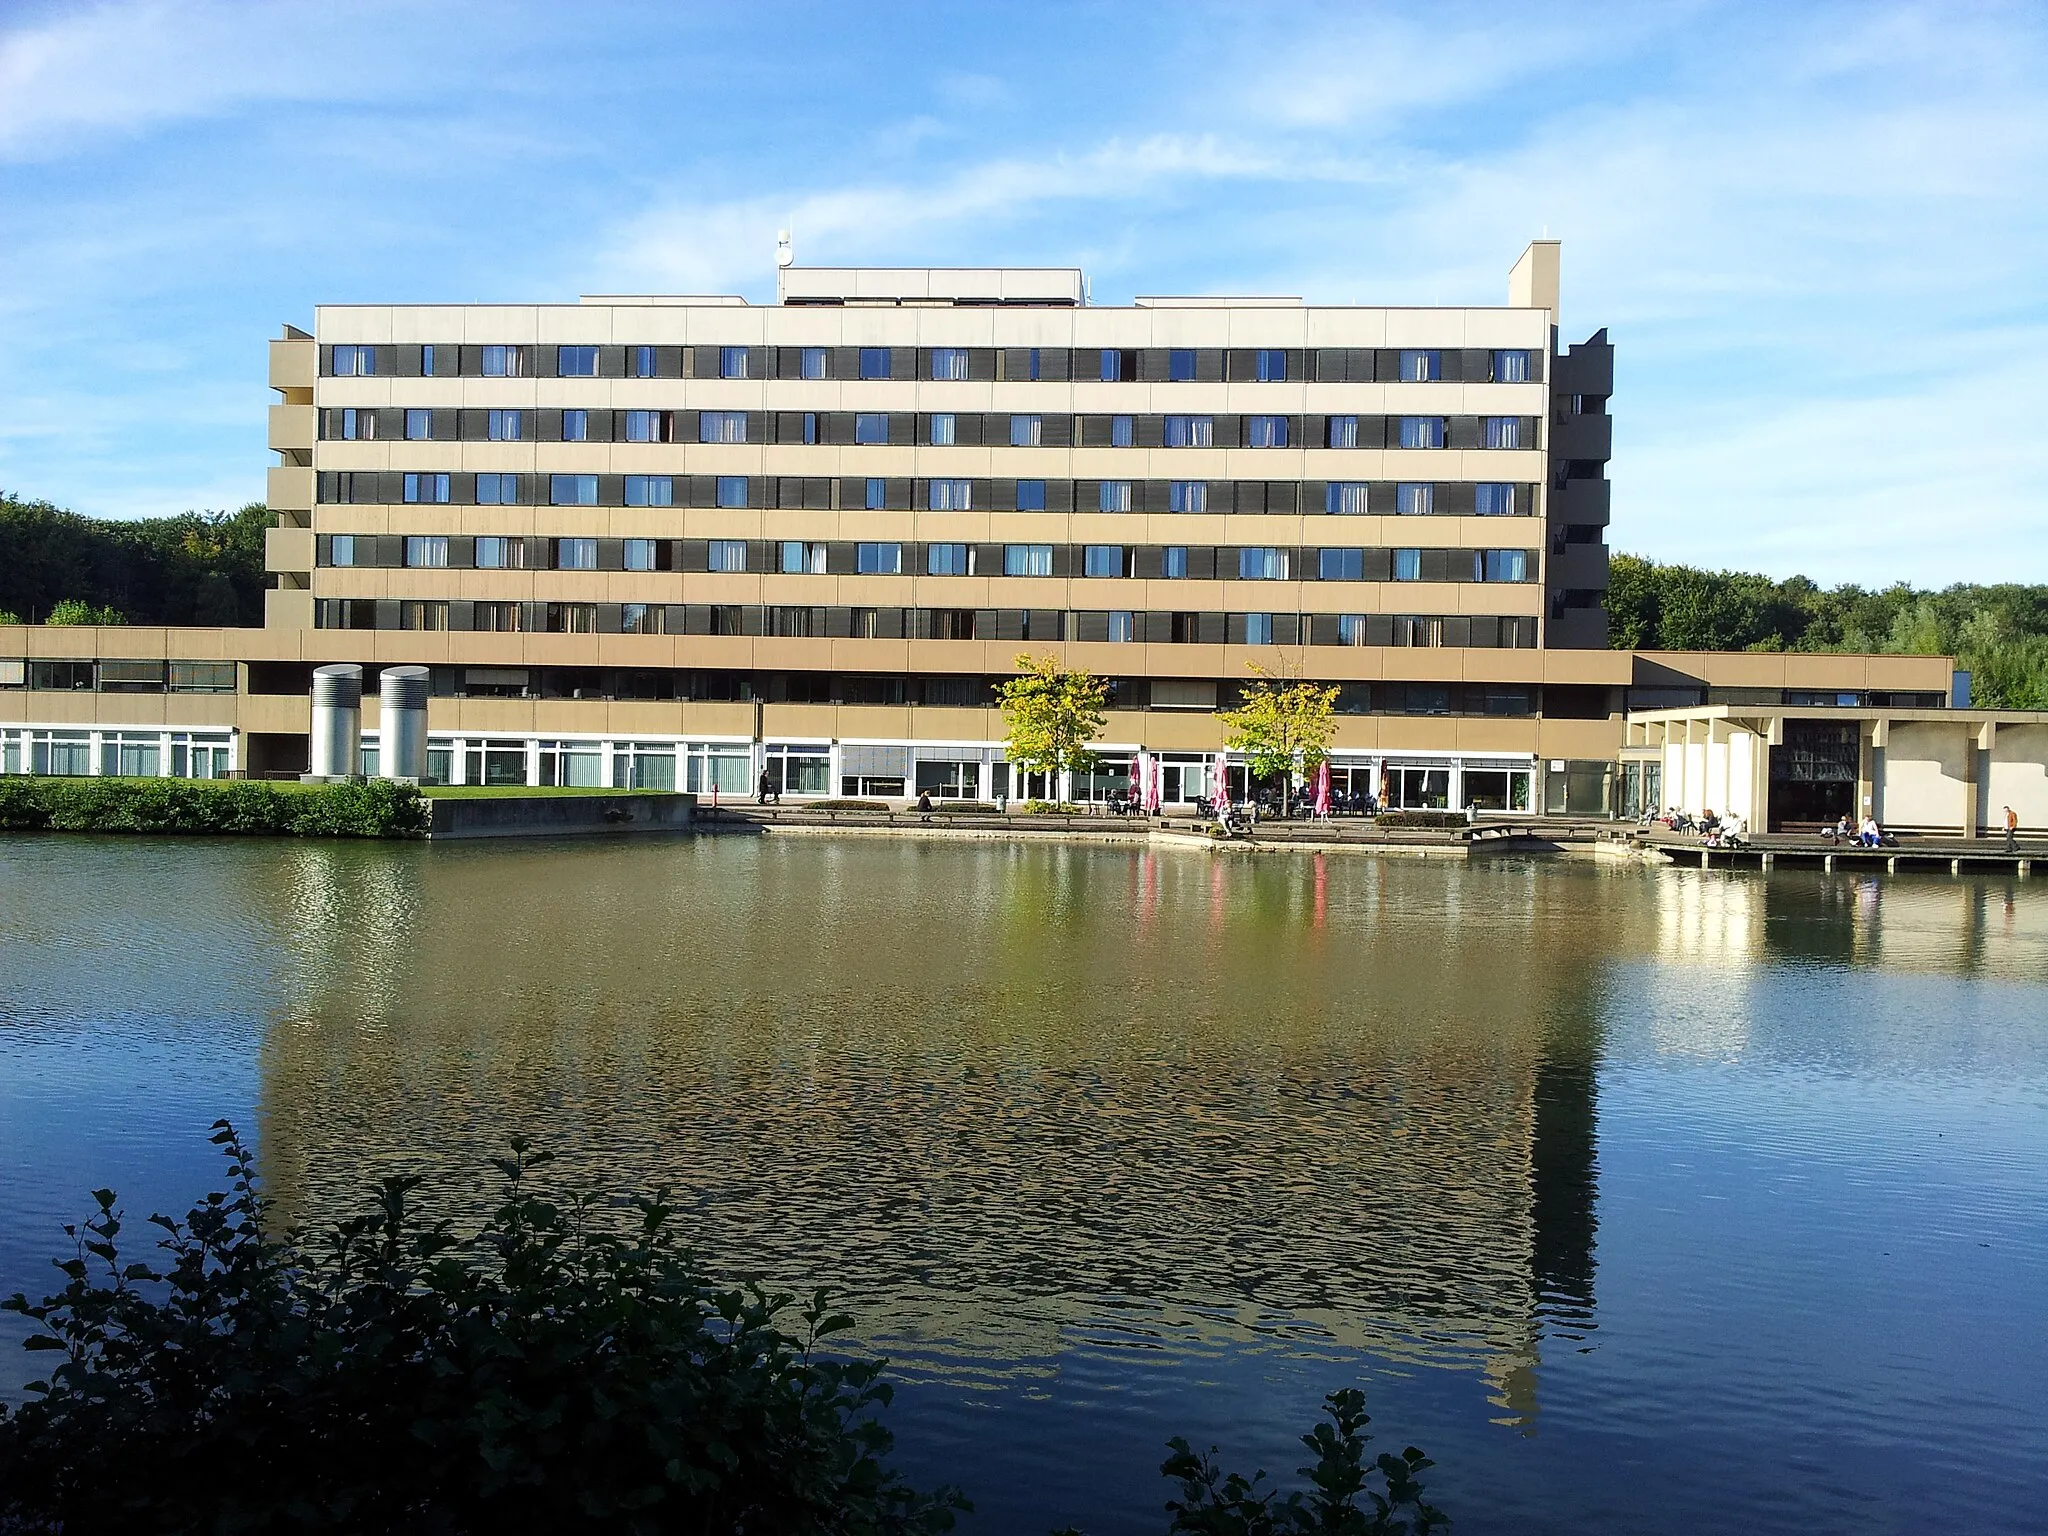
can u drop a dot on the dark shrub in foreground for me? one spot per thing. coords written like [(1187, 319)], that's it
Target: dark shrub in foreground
[(551, 1373), (544, 1375), (371, 808)]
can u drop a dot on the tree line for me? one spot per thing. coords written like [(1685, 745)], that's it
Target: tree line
[(1997, 633), (195, 568)]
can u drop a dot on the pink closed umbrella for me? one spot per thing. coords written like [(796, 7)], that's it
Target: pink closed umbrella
[(1222, 796), (1135, 790), (1323, 790), (1155, 791)]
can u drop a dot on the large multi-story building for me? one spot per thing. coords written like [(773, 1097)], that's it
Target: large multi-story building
[(655, 541)]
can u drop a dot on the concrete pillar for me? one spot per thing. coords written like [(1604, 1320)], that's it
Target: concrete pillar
[(337, 721), (402, 723), (1971, 773)]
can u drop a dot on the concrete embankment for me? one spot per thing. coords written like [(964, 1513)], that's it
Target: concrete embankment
[(460, 817)]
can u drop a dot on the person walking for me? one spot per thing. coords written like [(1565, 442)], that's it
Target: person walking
[(2012, 830), (924, 805), (765, 788)]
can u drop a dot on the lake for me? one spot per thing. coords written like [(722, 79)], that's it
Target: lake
[(1643, 1199)]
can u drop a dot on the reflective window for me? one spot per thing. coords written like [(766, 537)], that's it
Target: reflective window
[(944, 429), (1422, 431), (575, 426), (504, 426), (1024, 431), (1345, 498), (951, 495), (732, 362), (1342, 432), (1494, 500), (497, 490), (1262, 565), (1187, 495), (726, 555), (1414, 498), (722, 426), (878, 559), (1511, 366), (1190, 432), (1030, 495), (949, 362), (575, 554), (1113, 496), (576, 362), (731, 491), (1407, 565), (1265, 431), (1180, 364), (874, 362), (1341, 565), (572, 490), (1027, 559), (425, 487), (1102, 560), (871, 427), (1420, 366), (945, 560), (419, 425), (1271, 365)]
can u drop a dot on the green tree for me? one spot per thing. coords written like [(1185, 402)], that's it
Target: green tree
[(1632, 604), (567, 1368), (195, 568), (1283, 725), (76, 611), (1051, 714)]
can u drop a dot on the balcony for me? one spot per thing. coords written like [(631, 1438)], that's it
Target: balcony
[(1576, 501), (292, 429), (290, 489), (288, 550), (293, 366), (1582, 437), (1578, 567), (288, 608)]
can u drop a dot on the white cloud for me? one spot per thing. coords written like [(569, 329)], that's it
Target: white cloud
[(91, 71)]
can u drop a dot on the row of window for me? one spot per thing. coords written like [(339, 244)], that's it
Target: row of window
[(894, 558), (943, 691), (118, 676), (938, 429), (1346, 365), (875, 493), (1487, 631)]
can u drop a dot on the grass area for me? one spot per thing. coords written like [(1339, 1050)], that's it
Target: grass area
[(517, 792)]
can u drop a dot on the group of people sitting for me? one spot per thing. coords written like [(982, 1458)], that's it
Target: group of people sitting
[(1729, 831), (1868, 834)]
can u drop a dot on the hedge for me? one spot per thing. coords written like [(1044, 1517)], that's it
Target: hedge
[(1420, 821), (371, 808)]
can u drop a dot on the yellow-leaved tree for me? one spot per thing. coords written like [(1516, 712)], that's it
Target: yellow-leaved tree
[(1283, 725), (1052, 713)]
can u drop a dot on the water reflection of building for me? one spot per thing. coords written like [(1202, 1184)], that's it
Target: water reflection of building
[(1008, 1113)]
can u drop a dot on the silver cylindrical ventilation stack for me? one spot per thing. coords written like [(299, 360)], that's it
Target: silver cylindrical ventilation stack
[(337, 720), (402, 723)]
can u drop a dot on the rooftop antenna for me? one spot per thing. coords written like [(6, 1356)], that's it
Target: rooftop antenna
[(785, 249)]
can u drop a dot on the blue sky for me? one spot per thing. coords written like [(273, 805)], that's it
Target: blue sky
[(1818, 234)]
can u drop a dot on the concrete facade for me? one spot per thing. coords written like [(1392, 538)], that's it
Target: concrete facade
[(1937, 771)]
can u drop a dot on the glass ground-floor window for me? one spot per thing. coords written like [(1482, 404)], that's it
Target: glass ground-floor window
[(1106, 782), (131, 755), (571, 765), (1419, 789), (1497, 789), (949, 780), (65, 754), (644, 765), (1183, 780), (799, 770), (501, 763), (202, 757), (1019, 783), (440, 761), (862, 786), (368, 756), (723, 768), (1641, 789)]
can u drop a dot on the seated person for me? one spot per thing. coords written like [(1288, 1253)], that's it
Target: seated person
[(1873, 835)]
